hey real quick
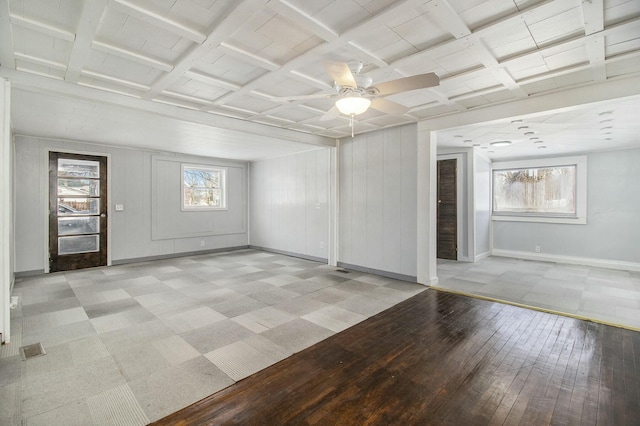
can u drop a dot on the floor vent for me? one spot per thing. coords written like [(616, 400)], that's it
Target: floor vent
[(344, 271), (32, 351)]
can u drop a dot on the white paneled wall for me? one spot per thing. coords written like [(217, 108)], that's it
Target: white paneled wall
[(378, 200), (289, 203)]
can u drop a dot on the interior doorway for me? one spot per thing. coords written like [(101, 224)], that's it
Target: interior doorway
[(77, 211), (447, 210)]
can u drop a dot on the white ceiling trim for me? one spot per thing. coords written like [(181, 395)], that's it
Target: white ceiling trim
[(593, 16), (42, 27), (40, 61), (548, 103), (249, 57), (158, 19), (87, 26), (310, 23), (131, 56), (243, 11), (396, 9), (39, 84), (198, 76)]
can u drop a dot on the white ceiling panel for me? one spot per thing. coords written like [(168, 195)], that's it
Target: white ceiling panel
[(228, 58), (484, 12), (61, 13)]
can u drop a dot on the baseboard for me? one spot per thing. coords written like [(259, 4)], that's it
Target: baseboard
[(572, 260), (174, 255), (387, 274), (292, 254), (482, 256), (33, 273)]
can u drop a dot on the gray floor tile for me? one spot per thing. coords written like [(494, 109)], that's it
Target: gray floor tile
[(170, 389), (334, 318), (73, 414), (215, 336), (116, 406), (297, 335)]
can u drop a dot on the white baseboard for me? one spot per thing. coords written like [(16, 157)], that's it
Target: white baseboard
[(572, 260), (482, 256)]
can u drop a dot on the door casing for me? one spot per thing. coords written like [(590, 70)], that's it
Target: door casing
[(44, 180)]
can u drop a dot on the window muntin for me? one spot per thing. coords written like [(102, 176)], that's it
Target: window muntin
[(536, 191), (203, 188)]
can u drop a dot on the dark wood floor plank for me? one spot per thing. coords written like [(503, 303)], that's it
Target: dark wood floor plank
[(440, 358)]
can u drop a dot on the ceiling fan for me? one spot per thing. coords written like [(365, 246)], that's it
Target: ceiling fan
[(355, 94)]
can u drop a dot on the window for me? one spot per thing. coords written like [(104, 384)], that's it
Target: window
[(550, 190), (203, 188)]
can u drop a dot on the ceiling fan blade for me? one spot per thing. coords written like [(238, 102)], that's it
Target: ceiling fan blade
[(303, 97), (330, 115), (340, 73), (405, 84), (388, 107)]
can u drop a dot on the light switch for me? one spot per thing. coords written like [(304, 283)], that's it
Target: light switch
[(119, 207)]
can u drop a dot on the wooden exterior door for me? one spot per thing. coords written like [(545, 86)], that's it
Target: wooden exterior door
[(447, 210), (77, 211)]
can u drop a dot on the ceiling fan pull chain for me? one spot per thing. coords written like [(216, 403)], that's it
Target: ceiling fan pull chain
[(351, 123)]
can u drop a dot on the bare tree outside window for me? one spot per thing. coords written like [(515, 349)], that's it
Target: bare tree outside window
[(203, 188), (535, 191)]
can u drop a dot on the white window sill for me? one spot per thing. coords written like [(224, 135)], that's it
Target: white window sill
[(541, 219)]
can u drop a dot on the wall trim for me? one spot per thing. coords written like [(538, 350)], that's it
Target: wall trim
[(292, 254), (174, 255), (387, 274), (482, 256), (573, 260), (33, 273)]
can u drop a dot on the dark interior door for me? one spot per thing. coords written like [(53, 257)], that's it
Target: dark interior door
[(77, 211), (447, 210)]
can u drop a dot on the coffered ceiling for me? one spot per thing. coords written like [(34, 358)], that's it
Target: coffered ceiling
[(228, 59)]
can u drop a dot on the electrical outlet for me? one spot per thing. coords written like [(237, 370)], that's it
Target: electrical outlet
[(201, 243), (537, 249)]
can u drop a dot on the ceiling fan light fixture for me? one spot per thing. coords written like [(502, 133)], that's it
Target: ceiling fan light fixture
[(353, 105)]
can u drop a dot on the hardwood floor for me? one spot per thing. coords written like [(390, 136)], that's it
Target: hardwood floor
[(444, 359)]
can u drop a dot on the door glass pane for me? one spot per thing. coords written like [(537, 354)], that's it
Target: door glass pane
[(80, 244), (78, 225), (78, 168), (78, 206), (86, 187)]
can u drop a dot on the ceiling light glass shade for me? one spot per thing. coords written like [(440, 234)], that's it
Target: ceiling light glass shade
[(501, 143), (353, 105)]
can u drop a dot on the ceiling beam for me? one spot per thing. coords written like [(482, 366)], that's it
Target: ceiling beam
[(235, 19), (47, 85), (593, 16), (596, 52), (295, 14), (398, 8), (6, 37), (541, 104), (111, 79), (40, 61), (246, 56), (87, 26), (448, 19), (159, 19), (207, 79), (129, 55), (42, 27)]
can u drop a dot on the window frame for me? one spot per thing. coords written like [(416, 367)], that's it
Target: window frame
[(223, 187), (580, 217)]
